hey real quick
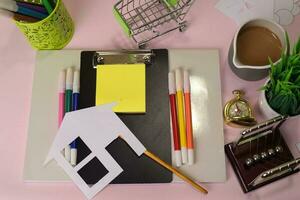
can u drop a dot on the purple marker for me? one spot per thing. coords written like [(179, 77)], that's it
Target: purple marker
[(37, 8)]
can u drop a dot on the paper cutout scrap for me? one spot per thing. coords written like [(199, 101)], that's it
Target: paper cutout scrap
[(285, 11), (282, 11), (244, 10)]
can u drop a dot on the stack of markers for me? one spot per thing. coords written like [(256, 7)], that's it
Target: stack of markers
[(26, 12), (68, 101), (181, 116)]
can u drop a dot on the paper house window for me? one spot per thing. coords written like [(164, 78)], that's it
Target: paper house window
[(84, 150), (93, 170), (95, 167)]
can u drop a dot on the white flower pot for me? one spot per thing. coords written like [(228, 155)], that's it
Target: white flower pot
[(266, 109), (264, 106)]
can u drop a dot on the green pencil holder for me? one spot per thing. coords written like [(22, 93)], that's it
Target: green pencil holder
[(53, 32)]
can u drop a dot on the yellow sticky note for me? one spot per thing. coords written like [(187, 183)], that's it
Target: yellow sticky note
[(124, 84)]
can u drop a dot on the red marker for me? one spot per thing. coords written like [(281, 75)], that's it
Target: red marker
[(176, 140)]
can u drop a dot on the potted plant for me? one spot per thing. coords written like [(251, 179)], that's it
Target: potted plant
[(281, 93)]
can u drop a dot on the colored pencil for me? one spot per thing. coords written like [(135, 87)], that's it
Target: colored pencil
[(35, 7), (48, 6), (24, 18), (14, 7)]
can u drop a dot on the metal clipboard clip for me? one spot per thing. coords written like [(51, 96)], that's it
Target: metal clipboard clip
[(122, 57)]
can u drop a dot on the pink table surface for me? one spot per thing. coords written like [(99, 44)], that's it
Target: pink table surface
[(97, 29)]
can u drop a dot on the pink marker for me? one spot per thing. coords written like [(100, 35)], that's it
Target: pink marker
[(61, 96)]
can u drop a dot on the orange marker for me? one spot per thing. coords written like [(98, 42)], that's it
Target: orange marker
[(188, 117)]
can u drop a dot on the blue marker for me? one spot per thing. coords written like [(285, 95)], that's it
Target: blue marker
[(14, 7), (37, 8), (75, 98)]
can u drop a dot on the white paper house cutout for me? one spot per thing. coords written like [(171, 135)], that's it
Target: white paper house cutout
[(97, 127)]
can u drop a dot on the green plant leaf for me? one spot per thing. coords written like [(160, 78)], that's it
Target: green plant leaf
[(289, 74), (284, 60), (270, 96), (283, 89), (284, 107), (293, 105), (287, 105), (287, 40), (297, 81), (274, 70), (295, 59), (277, 88), (298, 97), (276, 101), (296, 49)]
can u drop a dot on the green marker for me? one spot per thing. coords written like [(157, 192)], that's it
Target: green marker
[(68, 92), (48, 6), (68, 104)]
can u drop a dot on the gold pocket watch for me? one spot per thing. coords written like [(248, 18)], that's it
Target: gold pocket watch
[(238, 112)]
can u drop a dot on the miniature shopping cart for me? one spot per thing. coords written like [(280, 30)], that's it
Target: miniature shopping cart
[(144, 20)]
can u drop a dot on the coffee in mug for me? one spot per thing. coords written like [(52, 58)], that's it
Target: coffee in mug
[(256, 44)]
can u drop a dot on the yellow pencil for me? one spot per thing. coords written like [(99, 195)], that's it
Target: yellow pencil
[(173, 170), (170, 168), (180, 113)]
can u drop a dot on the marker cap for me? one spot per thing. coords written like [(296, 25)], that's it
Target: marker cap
[(69, 79), (178, 158), (62, 81), (76, 82), (73, 157), (186, 81), (178, 75), (184, 155), (68, 153), (191, 156), (172, 88)]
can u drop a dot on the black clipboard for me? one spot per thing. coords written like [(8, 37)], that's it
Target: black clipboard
[(151, 128)]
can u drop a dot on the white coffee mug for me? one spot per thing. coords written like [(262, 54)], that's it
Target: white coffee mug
[(272, 26)]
